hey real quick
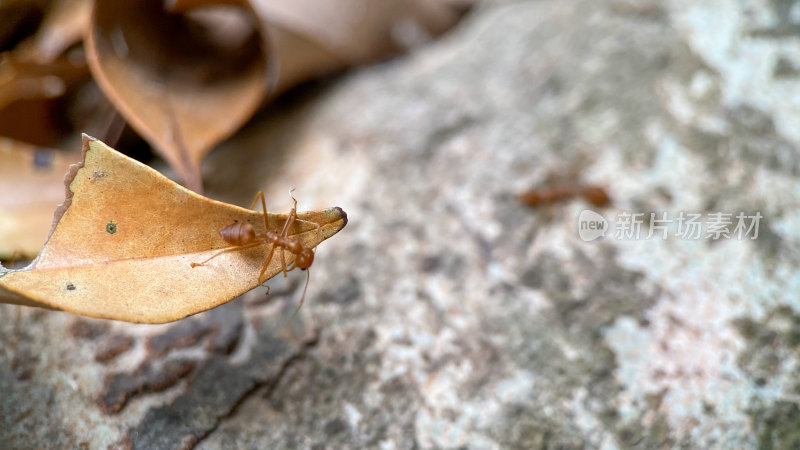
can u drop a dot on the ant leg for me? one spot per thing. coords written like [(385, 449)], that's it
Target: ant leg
[(269, 259), (226, 250), (259, 194), (294, 213), (292, 217), (263, 207), (302, 300), (289, 222), (297, 219), (314, 224), (266, 264)]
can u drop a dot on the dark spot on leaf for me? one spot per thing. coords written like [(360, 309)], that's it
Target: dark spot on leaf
[(111, 228)]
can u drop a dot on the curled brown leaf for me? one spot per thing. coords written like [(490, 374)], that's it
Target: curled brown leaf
[(183, 81), (188, 73)]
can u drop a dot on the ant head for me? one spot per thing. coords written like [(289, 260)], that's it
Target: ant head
[(304, 259)]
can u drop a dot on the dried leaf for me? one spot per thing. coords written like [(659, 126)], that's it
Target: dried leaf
[(29, 94), (37, 73), (125, 238), (31, 186), (185, 88), (18, 18), (182, 82), (61, 28)]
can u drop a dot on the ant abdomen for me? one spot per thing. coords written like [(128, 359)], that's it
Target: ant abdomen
[(239, 233)]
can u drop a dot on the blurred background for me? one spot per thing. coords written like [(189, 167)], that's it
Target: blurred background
[(572, 224)]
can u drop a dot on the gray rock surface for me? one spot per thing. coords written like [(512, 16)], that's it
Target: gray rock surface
[(447, 314)]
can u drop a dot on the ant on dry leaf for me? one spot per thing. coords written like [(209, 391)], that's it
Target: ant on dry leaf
[(242, 235)]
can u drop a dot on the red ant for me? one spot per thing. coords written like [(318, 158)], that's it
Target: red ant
[(595, 195), (242, 235), (563, 185)]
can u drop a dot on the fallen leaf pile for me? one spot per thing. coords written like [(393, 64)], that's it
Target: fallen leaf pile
[(125, 241), (125, 238), (181, 74), (184, 74)]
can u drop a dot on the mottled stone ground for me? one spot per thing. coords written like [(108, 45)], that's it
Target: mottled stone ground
[(448, 314)]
